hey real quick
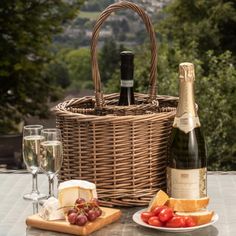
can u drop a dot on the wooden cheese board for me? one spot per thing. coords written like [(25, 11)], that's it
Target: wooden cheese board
[(108, 216)]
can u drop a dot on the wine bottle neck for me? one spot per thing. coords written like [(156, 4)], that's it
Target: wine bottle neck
[(127, 73)]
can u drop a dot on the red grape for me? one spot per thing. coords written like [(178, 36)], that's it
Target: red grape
[(81, 220), (80, 200), (92, 215), (84, 211), (98, 212), (95, 201), (87, 208), (74, 210), (72, 217)]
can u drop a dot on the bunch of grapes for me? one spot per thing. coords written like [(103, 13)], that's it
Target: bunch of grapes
[(83, 211)]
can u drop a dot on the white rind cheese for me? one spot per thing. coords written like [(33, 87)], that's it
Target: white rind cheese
[(50, 210), (70, 190)]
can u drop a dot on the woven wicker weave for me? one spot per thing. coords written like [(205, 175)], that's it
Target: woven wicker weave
[(121, 149)]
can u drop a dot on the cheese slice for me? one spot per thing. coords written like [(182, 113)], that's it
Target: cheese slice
[(158, 200), (51, 210), (69, 191)]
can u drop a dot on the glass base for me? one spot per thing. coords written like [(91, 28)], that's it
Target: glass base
[(34, 196)]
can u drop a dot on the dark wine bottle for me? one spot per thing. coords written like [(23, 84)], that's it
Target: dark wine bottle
[(126, 85), (187, 162)]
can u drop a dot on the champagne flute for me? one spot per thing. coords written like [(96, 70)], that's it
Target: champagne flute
[(31, 155), (51, 155)]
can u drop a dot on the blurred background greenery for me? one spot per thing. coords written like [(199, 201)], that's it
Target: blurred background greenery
[(44, 57)]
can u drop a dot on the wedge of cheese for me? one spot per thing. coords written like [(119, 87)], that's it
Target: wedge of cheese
[(51, 210), (158, 200), (70, 190)]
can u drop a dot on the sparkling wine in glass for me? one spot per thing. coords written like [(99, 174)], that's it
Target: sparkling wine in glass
[(31, 154), (51, 155)]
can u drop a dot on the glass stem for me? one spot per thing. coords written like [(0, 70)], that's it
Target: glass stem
[(35, 207), (51, 186), (34, 183)]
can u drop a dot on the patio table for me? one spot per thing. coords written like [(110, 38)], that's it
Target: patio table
[(14, 210)]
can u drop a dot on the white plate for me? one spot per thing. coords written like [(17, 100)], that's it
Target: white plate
[(137, 219)]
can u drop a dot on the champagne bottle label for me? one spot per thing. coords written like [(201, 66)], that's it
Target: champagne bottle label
[(186, 122), (127, 83), (188, 184)]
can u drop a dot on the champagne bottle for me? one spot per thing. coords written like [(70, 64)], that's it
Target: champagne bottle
[(186, 169), (127, 70)]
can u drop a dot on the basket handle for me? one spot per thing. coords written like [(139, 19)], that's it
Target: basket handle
[(95, 69)]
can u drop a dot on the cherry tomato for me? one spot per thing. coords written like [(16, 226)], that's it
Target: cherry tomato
[(158, 209), (166, 214), (176, 222), (154, 221), (146, 215), (189, 221)]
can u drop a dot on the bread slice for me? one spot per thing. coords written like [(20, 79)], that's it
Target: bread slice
[(188, 205), (200, 217), (158, 200)]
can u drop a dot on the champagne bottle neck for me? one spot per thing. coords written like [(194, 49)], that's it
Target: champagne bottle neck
[(186, 118), (186, 103)]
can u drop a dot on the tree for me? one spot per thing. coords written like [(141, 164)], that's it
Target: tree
[(59, 73), (26, 30), (109, 59), (192, 31), (79, 67), (94, 5), (204, 25), (203, 32), (217, 107)]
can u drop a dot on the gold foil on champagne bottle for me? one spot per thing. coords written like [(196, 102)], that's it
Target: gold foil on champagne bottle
[(186, 116), (186, 71)]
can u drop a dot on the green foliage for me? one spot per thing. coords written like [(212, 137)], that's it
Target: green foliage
[(26, 30), (195, 31), (109, 59), (58, 72), (95, 5), (92, 15), (216, 97), (201, 32), (73, 66), (79, 67), (207, 25)]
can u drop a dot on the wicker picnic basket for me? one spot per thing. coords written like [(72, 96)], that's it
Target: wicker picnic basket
[(122, 149)]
